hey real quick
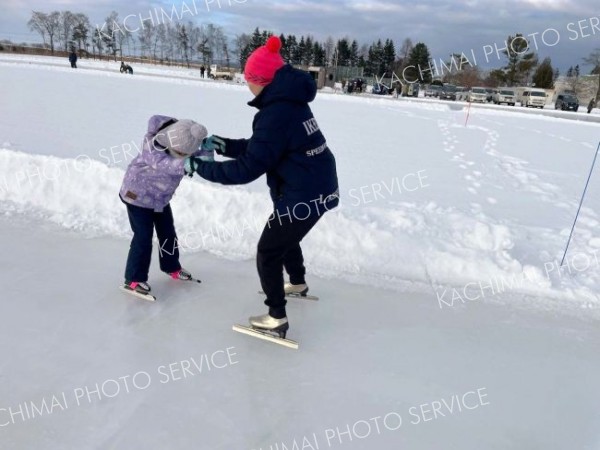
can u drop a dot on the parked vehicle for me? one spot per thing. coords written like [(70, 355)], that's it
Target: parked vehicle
[(380, 89), (410, 90), (448, 92), (505, 96), (566, 102), (355, 85), (462, 93), (433, 90), (477, 94), (534, 97), (220, 73)]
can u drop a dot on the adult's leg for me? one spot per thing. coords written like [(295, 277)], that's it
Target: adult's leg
[(140, 250), (168, 245), (278, 237), (293, 261)]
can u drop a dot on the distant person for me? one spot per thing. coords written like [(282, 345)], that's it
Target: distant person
[(126, 68), (148, 186), (73, 59), (208, 72), (591, 105), (288, 146), (202, 70)]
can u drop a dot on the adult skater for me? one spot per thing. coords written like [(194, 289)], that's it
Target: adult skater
[(288, 146)]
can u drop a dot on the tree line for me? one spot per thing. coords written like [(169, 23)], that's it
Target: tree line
[(208, 43)]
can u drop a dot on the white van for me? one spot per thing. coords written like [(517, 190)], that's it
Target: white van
[(533, 97)]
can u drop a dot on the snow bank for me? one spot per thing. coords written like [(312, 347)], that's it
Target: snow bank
[(417, 246)]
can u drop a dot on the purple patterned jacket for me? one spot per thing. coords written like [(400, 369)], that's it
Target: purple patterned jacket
[(153, 175)]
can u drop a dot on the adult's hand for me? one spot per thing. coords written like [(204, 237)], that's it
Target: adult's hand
[(215, 143)]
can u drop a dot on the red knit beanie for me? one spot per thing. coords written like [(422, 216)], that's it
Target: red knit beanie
[(264, 62)]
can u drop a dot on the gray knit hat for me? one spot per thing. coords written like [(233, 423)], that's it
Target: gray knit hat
[(184, 136)]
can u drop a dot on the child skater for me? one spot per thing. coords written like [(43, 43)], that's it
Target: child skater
[(148, 186), (288, 146)]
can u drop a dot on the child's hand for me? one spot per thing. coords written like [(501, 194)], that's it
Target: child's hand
[(214, 143), (189, 165), (207, 155)]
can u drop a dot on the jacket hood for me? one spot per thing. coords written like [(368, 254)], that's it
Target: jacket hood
[(157, 123), (289, 84)]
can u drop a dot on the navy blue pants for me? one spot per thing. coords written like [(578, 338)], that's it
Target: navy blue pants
[(279, 247), (143, 221)]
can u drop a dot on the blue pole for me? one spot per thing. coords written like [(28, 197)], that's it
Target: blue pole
[(580, 203)]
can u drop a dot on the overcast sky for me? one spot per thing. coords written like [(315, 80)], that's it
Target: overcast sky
[(476, 27)]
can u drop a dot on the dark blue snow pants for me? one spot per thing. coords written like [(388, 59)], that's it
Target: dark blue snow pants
[(143, 221)]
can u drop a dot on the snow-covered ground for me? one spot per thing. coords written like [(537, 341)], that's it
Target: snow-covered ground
[(438, 277)]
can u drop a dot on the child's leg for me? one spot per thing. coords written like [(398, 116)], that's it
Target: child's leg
[(140, 250), (168, 246), (293, 261), (278, 237)]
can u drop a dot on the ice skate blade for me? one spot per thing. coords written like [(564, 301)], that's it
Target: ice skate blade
[(265, 335), (148, 297), (301, 297)]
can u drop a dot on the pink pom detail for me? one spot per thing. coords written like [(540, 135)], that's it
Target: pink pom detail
[(273, 44)]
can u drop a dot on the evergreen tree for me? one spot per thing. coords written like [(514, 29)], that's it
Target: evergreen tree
[(301, 51), (284, 48), (570, 72), (296, 51), (319, 55), (519, 61), (419, 62), (343, 52), (544, 75), (353, 54), (308, 51), (388, 57)]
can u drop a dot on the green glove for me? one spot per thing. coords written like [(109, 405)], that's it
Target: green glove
[(214, 143)]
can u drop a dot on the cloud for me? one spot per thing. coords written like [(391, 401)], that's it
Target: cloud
[(445, 27)]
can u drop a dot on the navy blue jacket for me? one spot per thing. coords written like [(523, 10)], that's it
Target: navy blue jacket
[(287, 145)]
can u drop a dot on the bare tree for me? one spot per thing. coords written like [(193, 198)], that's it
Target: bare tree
[(109, 38), (160, 38), (49, 23), (405, 49), (594, 59), (97, 42), (37, 23), (329, 50), (146, 37), (67, 22), (241, 45), (183, 42), (81, 31), (194, 38)]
